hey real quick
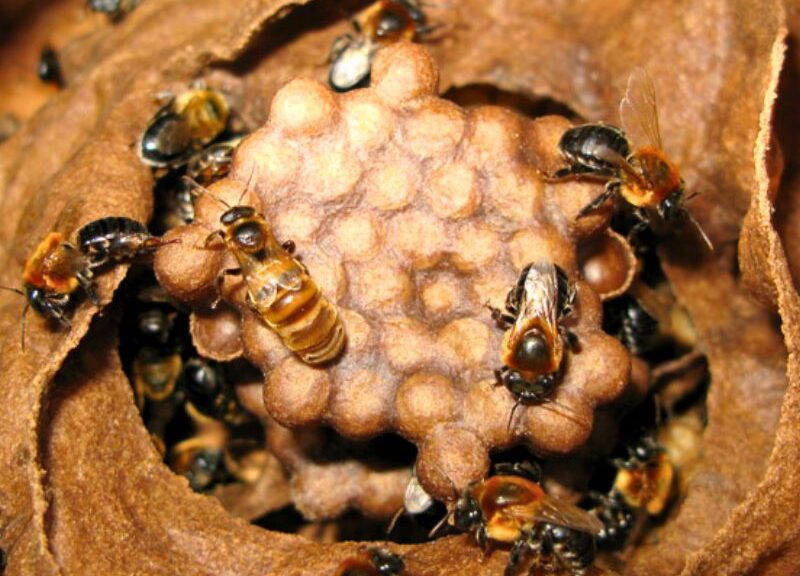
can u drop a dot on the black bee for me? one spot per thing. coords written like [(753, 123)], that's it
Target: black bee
[(201, 461), (183, 126), (115, 238), (49, 69), (645, 178), (644, 484), (617, 516), (207, 391), (627, 319)]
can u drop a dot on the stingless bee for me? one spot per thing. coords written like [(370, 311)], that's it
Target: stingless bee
[(201, 460), (644, 177), (57, 268), (645, 482), (646, 478), (212, 162), (511, 507), (383, 22), (184, 125), (533, 348), (49, 70), (279, 287), (627, 319), (371, 562), (207, 391)]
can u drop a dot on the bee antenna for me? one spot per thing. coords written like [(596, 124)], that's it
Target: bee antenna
[(439, 524), (511, 416), (699, 228), (22, 326), (15, 290), (565, 414), (195, 185), (247, 186), (394, 520)]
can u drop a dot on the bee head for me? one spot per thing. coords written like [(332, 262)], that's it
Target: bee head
[(467, 515), (671, 207)]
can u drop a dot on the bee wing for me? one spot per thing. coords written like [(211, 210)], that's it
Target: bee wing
[(565, 514), (638, 110), (540, 297)]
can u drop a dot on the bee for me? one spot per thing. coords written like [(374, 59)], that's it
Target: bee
[(155, 373), (201, 460), (631, 323), (205, 388), (645, 479), (279, 287), (183, 126), (617, 516), (174, 203), (512, 508), (114, 8), (49, 69), (383, 22), (52, 275), (644, 483), (645, 178), (213, 162), (57, 268), (533, 348), (113, 239), (372, 562)]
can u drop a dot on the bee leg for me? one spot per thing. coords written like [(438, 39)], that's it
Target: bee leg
[(500, 318), (483, 541), (570, 338), (220, 280), (215, 235), (611, 189), (500, 376), (85, 280), (518, 552)]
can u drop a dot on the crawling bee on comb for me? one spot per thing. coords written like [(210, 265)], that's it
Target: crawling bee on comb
[(383, 22), (279, 287), (644, 177), (534, 346)]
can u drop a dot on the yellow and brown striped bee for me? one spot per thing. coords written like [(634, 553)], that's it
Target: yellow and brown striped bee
[(279, 287)]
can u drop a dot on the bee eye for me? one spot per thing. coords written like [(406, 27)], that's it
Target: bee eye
[(533, 351)]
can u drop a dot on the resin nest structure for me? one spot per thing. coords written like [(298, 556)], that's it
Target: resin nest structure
[(412, 214)]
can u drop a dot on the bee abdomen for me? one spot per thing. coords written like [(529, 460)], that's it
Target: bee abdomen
[(112, 238), (307, 323), (581, 144)]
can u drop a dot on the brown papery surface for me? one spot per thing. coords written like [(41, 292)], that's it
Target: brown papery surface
[(83, 491)]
